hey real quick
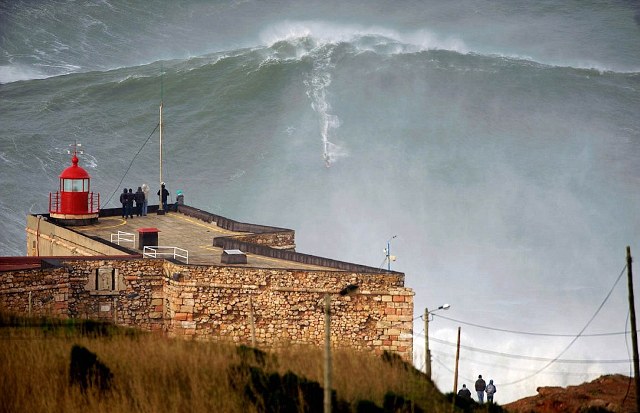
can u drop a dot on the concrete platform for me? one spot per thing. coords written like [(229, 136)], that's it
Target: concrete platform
[(188, 233)]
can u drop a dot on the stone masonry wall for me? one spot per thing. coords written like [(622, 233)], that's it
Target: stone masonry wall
[(135, 300), (36, 292), (216, 302), (281, 240), (287, 305)]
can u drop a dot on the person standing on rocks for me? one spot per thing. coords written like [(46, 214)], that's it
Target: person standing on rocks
[(491, 389), (481, 386), (464, 392)]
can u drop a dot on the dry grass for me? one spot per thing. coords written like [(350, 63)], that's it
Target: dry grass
[(156, 374)]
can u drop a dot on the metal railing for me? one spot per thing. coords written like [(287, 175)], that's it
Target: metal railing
[(93, 203), (54, 202), (157, 251), (122, 236)]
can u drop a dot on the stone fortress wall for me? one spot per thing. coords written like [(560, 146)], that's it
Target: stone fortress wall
[(214, 302), (218, 302)]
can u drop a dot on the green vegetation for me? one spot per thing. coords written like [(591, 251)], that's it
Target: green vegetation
[(149, 373)]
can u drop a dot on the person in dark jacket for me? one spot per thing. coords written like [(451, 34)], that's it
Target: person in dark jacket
[(130, 198), (481, 385), (165, 195), (123, 200), (139, 198), (464, 392)]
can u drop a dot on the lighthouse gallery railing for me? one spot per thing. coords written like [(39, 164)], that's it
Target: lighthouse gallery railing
[(93, 203)]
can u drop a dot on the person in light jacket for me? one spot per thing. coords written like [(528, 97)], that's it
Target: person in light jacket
[(491, 389), (145, 203)]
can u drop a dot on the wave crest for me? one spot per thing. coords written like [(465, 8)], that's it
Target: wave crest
[(319, 33)]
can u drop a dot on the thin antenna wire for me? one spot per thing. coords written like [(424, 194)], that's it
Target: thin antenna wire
[(131, 163)]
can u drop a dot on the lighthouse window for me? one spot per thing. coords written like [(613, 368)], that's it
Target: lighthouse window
[(76, 185)]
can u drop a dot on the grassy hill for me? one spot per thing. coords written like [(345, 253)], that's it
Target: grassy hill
[(144, 372)]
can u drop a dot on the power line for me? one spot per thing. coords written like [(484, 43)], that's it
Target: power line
[(576, 337), (557, 358), (529, 332), (531, 358), (520, 356), (509, 367), (452, 372)]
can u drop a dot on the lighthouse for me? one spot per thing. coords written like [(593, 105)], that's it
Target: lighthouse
[(73, 203)]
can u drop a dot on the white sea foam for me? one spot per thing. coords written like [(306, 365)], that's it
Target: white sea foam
[(89, 161), (317, 83), (237, 174), (16, 73), (5, 159), (391, 41), (329, 33)]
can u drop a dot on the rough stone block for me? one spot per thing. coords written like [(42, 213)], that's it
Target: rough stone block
[(180, 316), (188, 325)]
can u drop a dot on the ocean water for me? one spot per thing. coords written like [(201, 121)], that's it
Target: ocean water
[(498, 140)]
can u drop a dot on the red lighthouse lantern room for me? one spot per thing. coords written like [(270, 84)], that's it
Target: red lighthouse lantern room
[(73, 204)]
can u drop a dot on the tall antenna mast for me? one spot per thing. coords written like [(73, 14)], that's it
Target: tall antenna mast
[(160, 204), (387, 253)]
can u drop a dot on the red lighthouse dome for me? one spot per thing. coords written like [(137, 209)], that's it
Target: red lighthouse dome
[(73, 203)]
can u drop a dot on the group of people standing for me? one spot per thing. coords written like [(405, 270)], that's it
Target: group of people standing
[(141, 200), (481, 388), (140, 197)]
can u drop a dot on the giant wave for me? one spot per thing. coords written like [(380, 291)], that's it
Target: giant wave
[(499, 140)]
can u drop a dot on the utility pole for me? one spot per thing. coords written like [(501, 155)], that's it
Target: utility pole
[(634, 334), (327, 353), (455, 374), (427, 352)]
